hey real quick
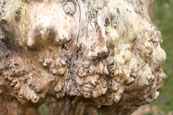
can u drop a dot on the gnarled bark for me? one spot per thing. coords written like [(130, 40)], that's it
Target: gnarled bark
[(78, 56)]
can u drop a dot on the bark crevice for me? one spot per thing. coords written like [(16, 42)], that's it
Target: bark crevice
[(79, 57)]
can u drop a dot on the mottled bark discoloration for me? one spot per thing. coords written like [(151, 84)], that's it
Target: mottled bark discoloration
[(80, 57)]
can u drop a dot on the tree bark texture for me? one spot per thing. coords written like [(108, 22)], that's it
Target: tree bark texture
[(79, 57)]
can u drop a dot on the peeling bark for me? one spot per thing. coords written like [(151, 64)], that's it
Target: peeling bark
[(79, 57)]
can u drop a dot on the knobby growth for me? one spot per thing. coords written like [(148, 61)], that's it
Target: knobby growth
[(78, 56)]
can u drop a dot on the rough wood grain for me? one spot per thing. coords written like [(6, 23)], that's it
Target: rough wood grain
[(80, 57)]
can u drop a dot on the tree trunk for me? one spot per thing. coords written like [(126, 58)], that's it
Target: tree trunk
[(78, 57)]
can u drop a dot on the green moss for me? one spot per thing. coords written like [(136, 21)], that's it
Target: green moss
[(163, 19)]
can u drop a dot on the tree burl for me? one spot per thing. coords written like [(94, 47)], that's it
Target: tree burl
[(80, 57)]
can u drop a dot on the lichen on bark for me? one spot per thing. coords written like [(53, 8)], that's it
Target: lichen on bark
[(102, 55)]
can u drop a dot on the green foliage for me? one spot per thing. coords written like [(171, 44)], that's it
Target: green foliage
[(148, 113), (163, 19), (43, 110)]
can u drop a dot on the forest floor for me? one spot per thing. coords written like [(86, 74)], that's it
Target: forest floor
[(150, 110)]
